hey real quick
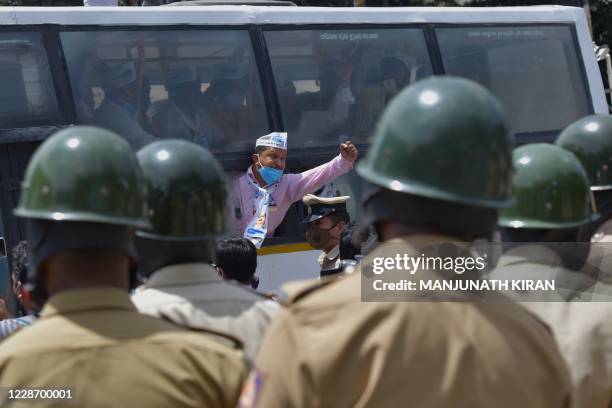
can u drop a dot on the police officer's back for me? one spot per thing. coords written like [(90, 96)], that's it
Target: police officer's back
[(440, 167), (82, 197), (188, 202)]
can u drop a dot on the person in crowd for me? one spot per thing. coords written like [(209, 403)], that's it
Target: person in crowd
[(82, 256), (125, 101), (263, 194), (327, 219), (19, 277), (548, 227), (236, 260), (188, 212), (329, 348)]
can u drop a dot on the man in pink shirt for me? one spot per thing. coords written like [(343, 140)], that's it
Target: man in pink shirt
[(263, 194)]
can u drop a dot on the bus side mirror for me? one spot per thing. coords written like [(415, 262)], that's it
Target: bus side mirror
[(2, 248)]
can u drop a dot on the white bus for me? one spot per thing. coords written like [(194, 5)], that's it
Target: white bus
[(322, 74)]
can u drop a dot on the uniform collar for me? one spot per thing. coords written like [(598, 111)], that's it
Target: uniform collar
[(334, 253), (530, 253), (80, 300), (183, 274)]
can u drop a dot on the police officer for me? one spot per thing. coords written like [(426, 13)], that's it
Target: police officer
[(553, 205), (82, 197), (331, 349), (590, 140), (188, 204), (549, 229), (327, 219)]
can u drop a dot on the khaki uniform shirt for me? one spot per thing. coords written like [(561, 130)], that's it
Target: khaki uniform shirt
[(331, 259), (95, 343), (539, 262), (582, 328), (329, 349), (194, 295)]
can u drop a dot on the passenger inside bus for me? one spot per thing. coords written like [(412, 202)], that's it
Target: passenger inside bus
[(124, 103), (226, 102), (183, 115), (203, 88), (263, 194), (333, 84)]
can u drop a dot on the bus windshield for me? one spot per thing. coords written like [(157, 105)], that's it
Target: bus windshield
[(202, 86), (533, 70), (28, 93), (333, 84)]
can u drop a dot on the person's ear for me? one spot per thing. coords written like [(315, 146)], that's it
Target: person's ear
[(254, 158)]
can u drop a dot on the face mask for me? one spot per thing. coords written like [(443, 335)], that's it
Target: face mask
[(270, 175), (318, 237)]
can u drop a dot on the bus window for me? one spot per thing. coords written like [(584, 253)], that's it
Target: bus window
[(333, 84), (25, 80), (533, 70), (202, 86)]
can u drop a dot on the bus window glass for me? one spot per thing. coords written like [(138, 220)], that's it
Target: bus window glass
[(533, 70), (333, 84), (25, 80), (202, 86)]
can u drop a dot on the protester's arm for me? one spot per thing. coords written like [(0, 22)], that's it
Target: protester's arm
[(313, 179)]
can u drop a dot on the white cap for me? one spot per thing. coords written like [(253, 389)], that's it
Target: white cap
[(274, 139), (120, 75)]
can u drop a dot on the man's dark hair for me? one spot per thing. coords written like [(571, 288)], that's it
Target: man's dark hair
[(261, 149), (19, 254), (238, 259)]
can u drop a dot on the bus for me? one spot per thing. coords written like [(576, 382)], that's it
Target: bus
[(221, 76)]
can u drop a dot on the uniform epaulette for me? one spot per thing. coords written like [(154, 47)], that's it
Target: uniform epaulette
[(295, 291), (223, 337)]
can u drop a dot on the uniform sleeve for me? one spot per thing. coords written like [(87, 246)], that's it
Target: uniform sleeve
[(282, 376), (313, 179)]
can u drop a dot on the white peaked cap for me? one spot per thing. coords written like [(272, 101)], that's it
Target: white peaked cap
[(274, 139)]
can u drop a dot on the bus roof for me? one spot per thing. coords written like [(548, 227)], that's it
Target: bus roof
[(134, 16)]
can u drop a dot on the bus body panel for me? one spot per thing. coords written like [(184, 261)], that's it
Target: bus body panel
[(61, 27)]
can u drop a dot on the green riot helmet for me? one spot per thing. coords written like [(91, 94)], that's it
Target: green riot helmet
[(188, 199), (84, 174), (590, 139), (443, 138), (551, 190)]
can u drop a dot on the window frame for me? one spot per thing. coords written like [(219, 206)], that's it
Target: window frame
[(548, 136), (63, 93)]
